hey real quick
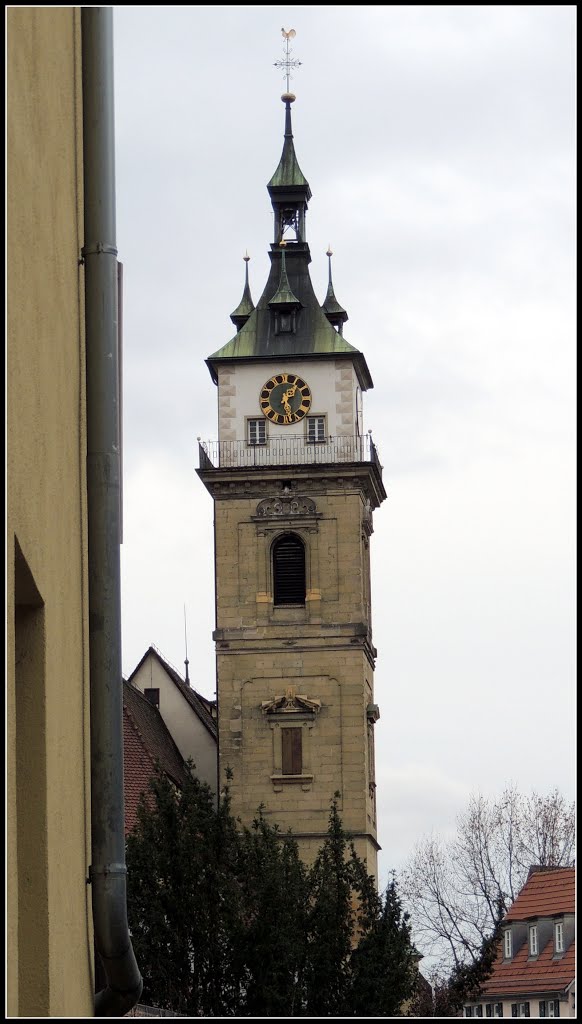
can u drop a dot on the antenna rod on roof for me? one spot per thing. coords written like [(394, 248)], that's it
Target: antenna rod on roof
[(186, 662)]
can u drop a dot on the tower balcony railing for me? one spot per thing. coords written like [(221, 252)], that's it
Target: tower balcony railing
[(288, 451)]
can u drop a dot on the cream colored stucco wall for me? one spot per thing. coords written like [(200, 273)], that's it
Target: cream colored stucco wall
[(567, 1006), (189, 734), (333, 385), (50, 949)]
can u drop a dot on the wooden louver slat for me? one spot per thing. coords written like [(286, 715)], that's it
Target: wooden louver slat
[(291, 751), (289, 571)]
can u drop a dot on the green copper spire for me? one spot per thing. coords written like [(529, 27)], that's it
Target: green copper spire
[(288, 320), (240, 315), (335, 313), (289, 173), (284, 297)]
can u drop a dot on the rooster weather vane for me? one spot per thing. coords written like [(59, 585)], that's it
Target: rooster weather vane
[(288, 62)]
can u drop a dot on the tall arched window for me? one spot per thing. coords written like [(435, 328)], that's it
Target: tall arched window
[(289, 570)]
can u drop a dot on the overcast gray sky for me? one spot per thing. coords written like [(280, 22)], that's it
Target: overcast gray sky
[(439, 146)]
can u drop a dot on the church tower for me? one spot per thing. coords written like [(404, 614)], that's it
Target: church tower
[(295, 481)]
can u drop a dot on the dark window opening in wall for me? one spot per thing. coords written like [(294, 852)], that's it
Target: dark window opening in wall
[(289, 571), (291, 751), (153, 695)]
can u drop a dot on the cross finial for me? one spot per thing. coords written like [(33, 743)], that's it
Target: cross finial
[(288, 62)]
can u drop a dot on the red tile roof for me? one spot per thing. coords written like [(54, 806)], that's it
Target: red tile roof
[(545, 894), (146, 740), (521, 976)]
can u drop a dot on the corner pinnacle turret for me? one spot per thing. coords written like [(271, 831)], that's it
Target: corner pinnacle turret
[(335, 313), (240, 315)]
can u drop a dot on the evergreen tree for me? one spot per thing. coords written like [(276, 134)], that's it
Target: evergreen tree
[(384, 967), (272, 943), (227, 921), (330, 925)]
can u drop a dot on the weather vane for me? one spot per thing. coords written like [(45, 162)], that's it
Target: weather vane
[(288, 62)]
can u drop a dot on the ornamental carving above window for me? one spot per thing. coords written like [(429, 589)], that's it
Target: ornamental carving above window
[(286, 507), (291, 703)]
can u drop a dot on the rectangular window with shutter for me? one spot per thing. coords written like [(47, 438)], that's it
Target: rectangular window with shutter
[(489, 1009), (479, 1010), (533, 940), (499, 1009), (291, 751), (507, 945), (514, 1009)]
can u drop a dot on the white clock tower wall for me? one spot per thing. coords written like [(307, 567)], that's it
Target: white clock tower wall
[(333, 384)]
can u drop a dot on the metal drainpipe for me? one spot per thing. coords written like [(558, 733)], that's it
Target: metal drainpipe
[(108, 871)]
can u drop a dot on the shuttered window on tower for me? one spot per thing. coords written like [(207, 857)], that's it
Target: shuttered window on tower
[(291, 751), (289, 570)]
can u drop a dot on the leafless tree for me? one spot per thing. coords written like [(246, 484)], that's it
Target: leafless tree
[(457, 891)]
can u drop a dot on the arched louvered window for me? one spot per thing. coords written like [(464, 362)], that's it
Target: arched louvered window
[(289, 570)]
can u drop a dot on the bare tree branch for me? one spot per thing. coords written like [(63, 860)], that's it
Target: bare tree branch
[(457, 891)]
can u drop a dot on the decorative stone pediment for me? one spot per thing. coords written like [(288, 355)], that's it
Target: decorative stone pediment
[(296, 506), (291, 703)]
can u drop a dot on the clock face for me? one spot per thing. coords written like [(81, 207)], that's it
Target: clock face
[(285, 398)]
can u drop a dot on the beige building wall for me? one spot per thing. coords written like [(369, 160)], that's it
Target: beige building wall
[(49, 928), (567, 1006), (188, 732), (322, 652)]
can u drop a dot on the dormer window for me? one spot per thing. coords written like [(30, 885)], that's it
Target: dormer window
[(285, 322), (558, 937), (507, 944), (533, 940)]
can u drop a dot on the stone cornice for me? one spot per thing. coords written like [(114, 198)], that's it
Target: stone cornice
[(258, 481)]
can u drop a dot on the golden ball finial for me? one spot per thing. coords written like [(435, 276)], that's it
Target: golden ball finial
[(288, 97)]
